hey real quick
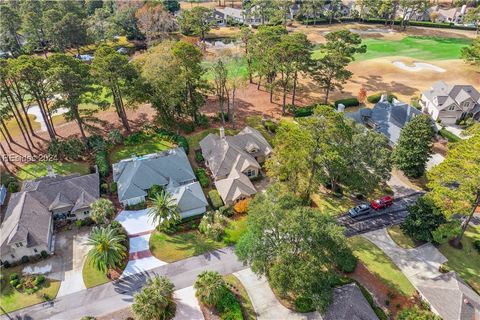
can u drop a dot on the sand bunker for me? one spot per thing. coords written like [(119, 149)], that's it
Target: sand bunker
[(417, 66), (35, 111)]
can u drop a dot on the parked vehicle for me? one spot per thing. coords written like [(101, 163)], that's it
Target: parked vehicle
[(381, 203), (360, 210)]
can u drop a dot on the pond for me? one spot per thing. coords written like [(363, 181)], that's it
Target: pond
[(221, 43)]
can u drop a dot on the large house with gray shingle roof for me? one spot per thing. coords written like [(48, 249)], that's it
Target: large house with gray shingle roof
[(451, 103), (348, 303), (385, 117), (27, 228), (169, 169), (234, 160)]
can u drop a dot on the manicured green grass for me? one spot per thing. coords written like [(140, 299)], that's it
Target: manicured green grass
[(194, 139), (466, 262), (381, 265), (235, 67), (39, 169), (247, 307), (331, 204), (171, 248), (11, 299), (91, 276), (416, 47), (155, 144), (402, 239), (451, 137)]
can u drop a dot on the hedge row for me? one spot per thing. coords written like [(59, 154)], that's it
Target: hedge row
[(349, 102), (374, 98), (202, 177), (215, 199)]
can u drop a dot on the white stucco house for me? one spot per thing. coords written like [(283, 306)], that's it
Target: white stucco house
[(449, 103)]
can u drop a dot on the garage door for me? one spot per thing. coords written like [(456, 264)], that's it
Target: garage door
[(449, 120)]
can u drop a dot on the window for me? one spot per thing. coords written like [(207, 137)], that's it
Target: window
[(86, 212), (13, 257), (250, 173), (19, 244), (35, 250), (451, 108)]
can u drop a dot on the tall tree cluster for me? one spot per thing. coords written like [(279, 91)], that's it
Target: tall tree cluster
[(327, 149)]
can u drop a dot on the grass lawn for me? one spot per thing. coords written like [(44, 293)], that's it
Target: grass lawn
[(465, 262), (451, 137), (194, 139), (171, 248), (416, 47), (155, 144), (247, 307), (237, 67), (380, 264), (11, 299), (402, 239), (332, 205), (39, 169), (91, 276)]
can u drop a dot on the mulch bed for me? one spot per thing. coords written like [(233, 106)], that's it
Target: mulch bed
[(381, 292), (209, 313)]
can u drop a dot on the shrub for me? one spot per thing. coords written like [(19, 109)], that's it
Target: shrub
[(13, 276), (241, 206), (14, 283), (187, 127), (101, 160), (303, 112), (448, 135), (46, 297), (215, 199), (212, 225), (113, 187), (78, 223), (44, 254), (476, 245), (104, 188), (228, 306), (96, 143), (39, 280), (71, 148), (303, 304), (225, 211), (202, 177), (225, 116), (349, 102), (374, 98), (202, 121), (25, 259), (88, 221), (115, 137), (198, 156), (271, 126), (13, 187), (444, 269), (135, 138), (346, 261), (6, 264)]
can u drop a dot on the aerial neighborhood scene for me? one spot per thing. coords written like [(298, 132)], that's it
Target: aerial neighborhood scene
[(240, 159)]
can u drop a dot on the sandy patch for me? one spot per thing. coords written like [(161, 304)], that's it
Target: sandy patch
[(417, 66)]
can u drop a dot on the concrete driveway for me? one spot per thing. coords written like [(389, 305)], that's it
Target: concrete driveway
[(265, 303), (187, 305), (136, 222)]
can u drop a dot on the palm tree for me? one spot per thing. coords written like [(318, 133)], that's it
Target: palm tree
[(108, 249), (210, 287), (102, 210), (164, 211), (155, 301)]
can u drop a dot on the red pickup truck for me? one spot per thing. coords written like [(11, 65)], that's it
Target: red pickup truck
[(381, 203)]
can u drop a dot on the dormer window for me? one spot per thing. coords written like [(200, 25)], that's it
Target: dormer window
[(252, 148), (451, 108), (19, 244)]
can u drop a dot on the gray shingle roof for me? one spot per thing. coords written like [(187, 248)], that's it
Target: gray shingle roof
[(235, 187), (349, 304), (223, 154), (188, 197), (445, 95), (451, 297), (136, 175), (28, 215), (387, 118)]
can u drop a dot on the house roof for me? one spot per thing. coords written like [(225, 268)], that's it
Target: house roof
[(137, 174), (387, 118), (236, 186), (463, 302), (239, 151), (349, 304), (442, 95), (188, 197), (229, 11), (28, 214)]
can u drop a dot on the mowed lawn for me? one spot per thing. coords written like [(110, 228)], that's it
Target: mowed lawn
[(153, 145), (91, 276), (11, 299), (235, 67), (422, 48), (465, 262), (381, 265), (401, 238), (39, 169), (171, 248)]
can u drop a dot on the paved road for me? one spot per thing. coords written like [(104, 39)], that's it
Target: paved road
[(117, 295)]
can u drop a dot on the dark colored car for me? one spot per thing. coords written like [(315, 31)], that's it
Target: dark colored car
[(381, 203), (360, 210)]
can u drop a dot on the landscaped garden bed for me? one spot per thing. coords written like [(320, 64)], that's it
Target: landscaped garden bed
[(19, 290)]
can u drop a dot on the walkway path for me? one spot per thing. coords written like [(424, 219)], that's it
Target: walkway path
[(187, 305), (264, 301)]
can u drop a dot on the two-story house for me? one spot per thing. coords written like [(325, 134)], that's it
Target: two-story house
[(449, 103), (234, 160), (27, 228)]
